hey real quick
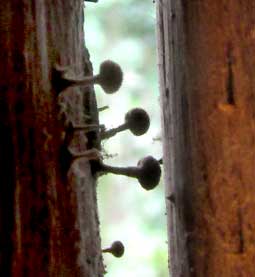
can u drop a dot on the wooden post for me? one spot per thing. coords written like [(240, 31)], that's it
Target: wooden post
[(48, 215), (174, 116), (207, 95)]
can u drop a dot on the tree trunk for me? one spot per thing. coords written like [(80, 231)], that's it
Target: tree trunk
[(48, 213), (207, 95)]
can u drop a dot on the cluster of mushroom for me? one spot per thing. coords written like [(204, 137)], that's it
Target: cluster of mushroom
[(137, 121)]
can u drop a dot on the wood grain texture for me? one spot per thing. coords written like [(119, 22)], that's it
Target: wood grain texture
[(48, 217), (173, 103), (207, 93)]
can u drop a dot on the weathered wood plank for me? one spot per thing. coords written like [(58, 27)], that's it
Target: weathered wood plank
[(48, 218), (208, 120), (173, 103)]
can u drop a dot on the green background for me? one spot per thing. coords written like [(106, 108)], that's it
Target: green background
[(124, 31)]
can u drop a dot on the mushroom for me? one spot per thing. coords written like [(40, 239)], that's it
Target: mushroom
[(109, 78), (117, 249), (147, 172), (136, 120)]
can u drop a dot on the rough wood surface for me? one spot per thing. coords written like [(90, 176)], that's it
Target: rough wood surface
[(48, 217), (173, 106), (207, 90)]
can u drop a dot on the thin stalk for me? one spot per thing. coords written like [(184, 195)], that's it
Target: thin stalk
[(103, 108), (131, 171), (107, 250), (112, 132), (86, 81)]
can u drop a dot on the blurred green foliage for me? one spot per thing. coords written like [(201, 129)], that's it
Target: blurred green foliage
[(124, 31)]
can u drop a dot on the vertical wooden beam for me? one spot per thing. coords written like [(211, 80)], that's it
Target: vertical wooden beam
[(174, 121), (207, 93), (48, 216)]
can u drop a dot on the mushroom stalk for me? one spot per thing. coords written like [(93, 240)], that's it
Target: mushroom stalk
[(103, 108), (86, 81), (107, 250), (112, 132), (130, 171)]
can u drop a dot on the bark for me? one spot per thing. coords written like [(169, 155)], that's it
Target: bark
[(48, 213), (207, 94)]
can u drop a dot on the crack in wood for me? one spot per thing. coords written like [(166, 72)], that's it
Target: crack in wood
[(171, 198), (163, 48), (206, 264), (230, 77), (167, 93), (240, 232)]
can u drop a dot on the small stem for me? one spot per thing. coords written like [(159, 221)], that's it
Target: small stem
[(86, 81), (112, 132), (103, 108), (131, 171)]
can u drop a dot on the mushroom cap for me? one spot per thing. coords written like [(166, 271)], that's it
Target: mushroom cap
[(117, 249), (110, 76), (138, 121), (150, 172)]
